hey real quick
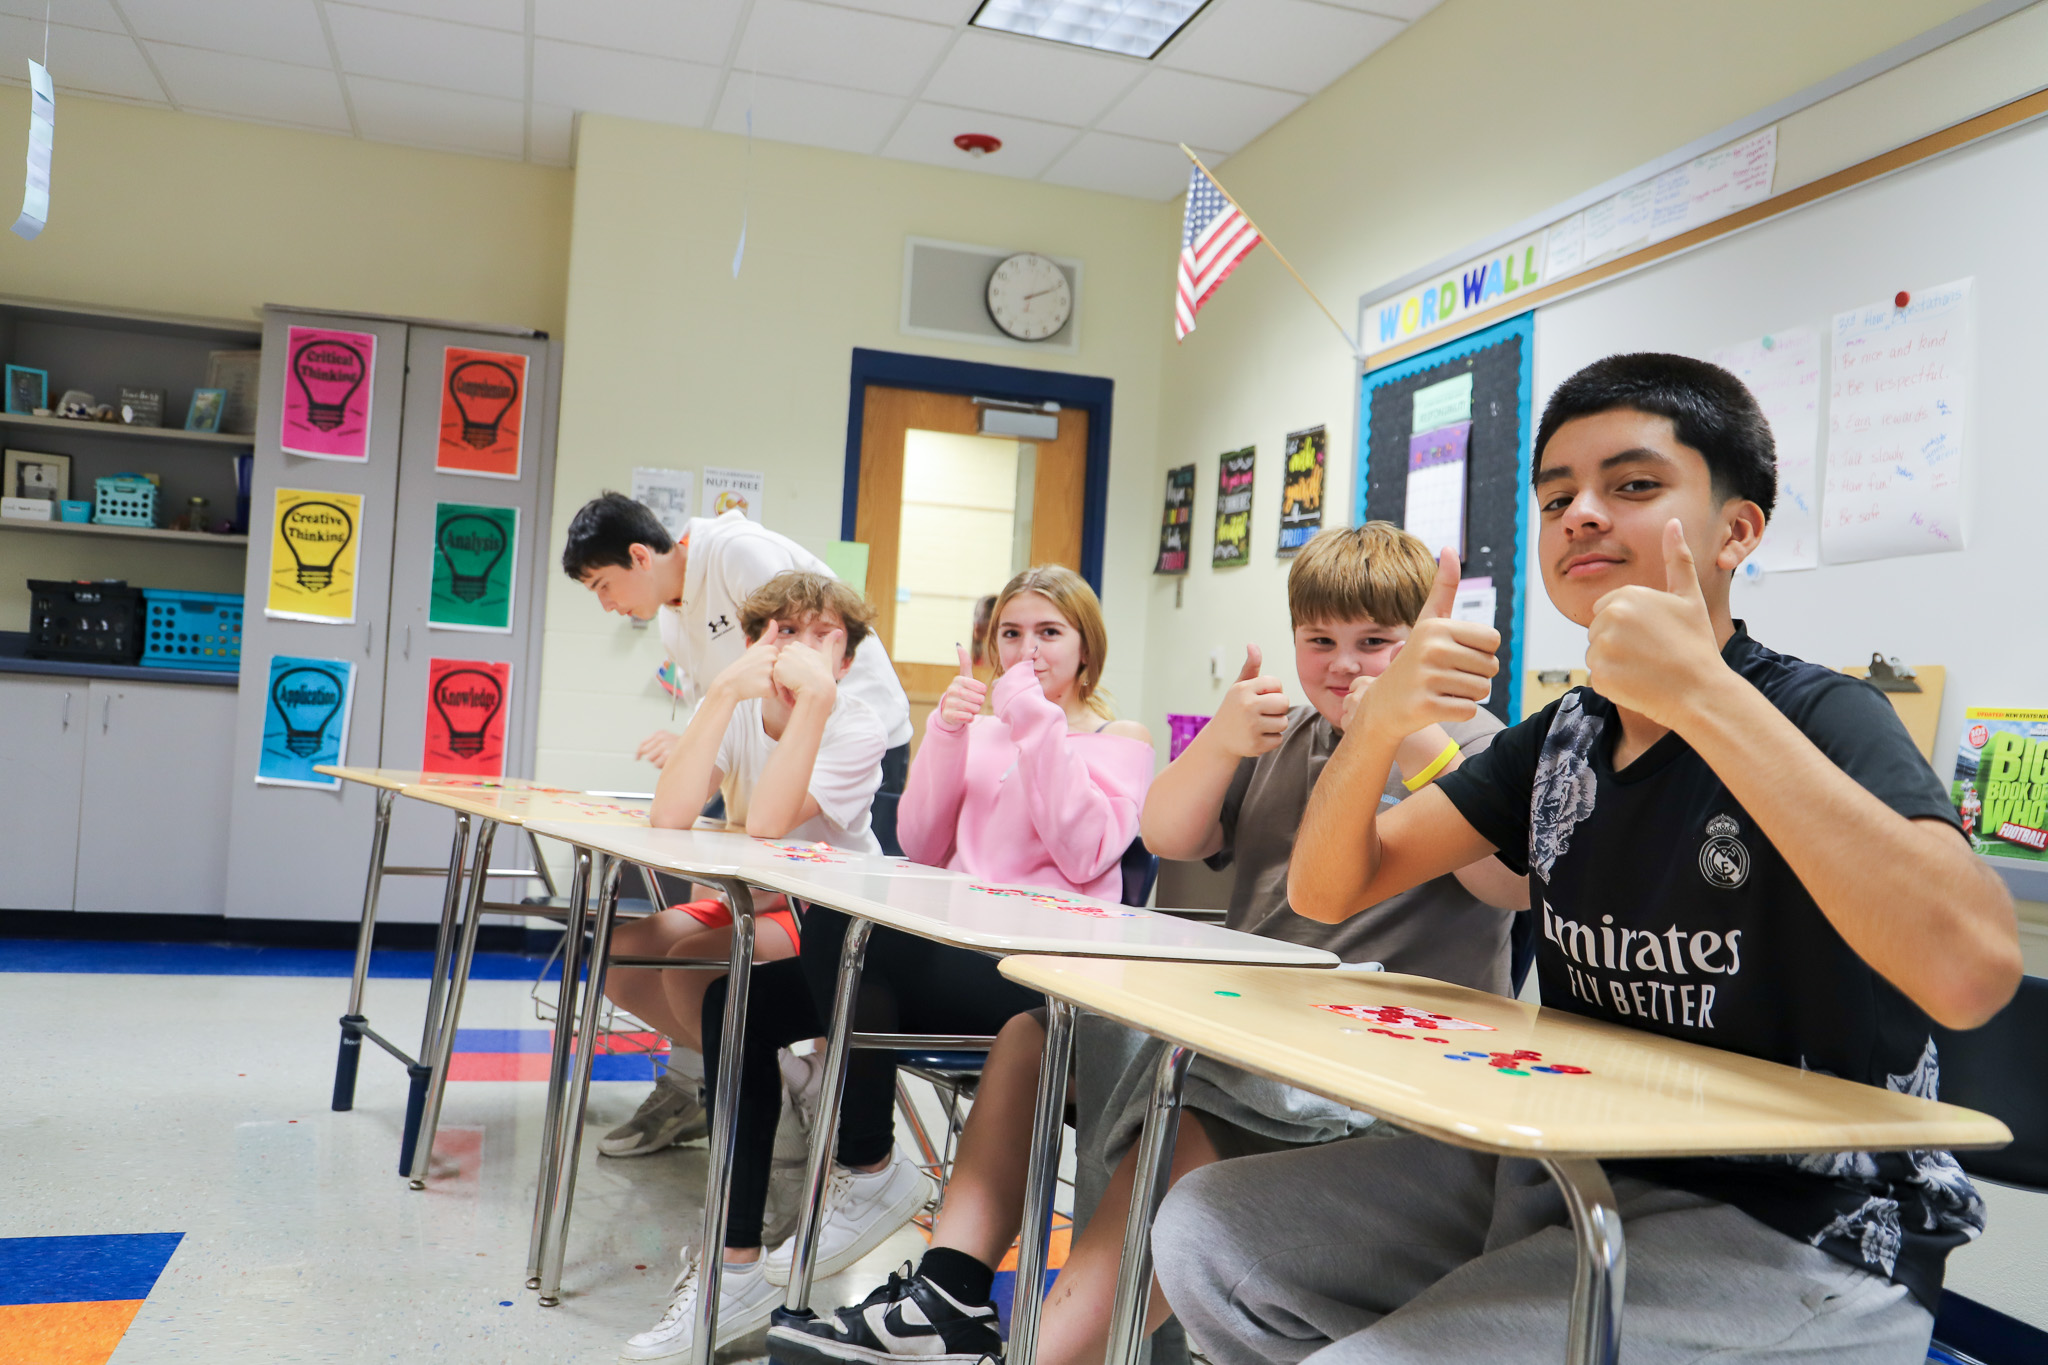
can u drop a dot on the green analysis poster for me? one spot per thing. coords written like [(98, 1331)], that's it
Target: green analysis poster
[(476, 564)]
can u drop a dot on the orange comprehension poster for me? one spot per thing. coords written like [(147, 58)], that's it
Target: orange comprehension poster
[(467, 701), (483, 413)]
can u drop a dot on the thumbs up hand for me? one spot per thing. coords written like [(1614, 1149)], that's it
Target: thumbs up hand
[(1649, 650), (962, 700), (1253, 714), (1442, 673)]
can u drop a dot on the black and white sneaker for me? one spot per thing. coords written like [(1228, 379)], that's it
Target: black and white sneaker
[(909, 1318)]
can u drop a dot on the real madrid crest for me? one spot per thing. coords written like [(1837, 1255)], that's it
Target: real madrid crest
[(1724, 862)]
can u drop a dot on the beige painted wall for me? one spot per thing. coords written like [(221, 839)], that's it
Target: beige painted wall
[(174, 213), (672, 362)]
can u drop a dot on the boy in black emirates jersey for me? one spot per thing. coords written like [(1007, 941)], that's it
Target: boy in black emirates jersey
[(1726, 845)]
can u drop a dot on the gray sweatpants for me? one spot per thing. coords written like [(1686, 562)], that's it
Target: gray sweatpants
[(1372, 1252)]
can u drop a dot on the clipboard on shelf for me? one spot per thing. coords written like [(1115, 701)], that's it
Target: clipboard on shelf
[(1919, 707)]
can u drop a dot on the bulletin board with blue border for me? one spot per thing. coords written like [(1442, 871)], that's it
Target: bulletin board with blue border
[(1501, 361)]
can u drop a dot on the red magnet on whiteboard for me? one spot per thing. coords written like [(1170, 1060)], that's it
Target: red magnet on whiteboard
[(1901, 299)]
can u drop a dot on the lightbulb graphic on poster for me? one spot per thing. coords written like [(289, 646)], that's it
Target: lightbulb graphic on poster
[(313, 543), (2001, 782), (1234, 508), (305, 721), (1177, 525), (327, 390), (483, 413), (468, 701), (476, 564), (1301, 497)]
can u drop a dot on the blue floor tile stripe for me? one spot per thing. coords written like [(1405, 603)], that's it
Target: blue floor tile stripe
[(83, 1269), (223, 959)]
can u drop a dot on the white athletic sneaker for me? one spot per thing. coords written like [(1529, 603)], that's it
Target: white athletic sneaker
[(861, 1210), (745, 1302), (670, 1114), (801, 1078)]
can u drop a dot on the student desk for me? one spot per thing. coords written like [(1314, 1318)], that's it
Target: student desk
[(1580, 1091), (947, 907), (494, 801)]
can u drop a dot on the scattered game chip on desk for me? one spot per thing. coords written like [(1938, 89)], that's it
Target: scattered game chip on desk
[(820, 852), (1400, 1016), (1053, 902)]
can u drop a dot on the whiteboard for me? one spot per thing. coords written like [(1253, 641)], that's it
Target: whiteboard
[(1976, 212)]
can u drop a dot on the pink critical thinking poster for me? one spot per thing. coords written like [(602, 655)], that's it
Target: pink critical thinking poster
[(327, 393)]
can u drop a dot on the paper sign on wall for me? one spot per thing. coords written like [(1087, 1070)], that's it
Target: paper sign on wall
[(1783, 371), (483, 413), (327, 390), (313, 542), (467, 704), (1895, 427), (666, 493), (726, 489), (1176, 526), (1435, 507), (476, 564), (305, 721), (1234, 508), (1301, 497)]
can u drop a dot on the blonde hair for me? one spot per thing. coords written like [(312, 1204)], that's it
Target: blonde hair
[(1376, 570), (1076, 601), (794, 596)]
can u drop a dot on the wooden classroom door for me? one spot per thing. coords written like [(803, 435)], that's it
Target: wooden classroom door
[(949, 515)]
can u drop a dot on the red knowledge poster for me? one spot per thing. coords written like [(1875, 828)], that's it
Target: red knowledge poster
[(467, 701)]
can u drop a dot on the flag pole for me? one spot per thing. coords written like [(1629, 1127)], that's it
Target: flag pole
[(1275, 250)]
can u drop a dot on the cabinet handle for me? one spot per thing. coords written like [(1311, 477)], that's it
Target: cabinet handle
[(67, 711), (369, 637), (408, 642), (106, 713)]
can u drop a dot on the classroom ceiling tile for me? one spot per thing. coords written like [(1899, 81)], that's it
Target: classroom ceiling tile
[(1031, 79), (1408, 11), (96, 14), (598, 80), (696, 31), (1178, 106), (446, 120), (81, 59), (506, 14), (928, 131), (554, 136), (281, 30), (815, 115), (840, 46), (432, 52), (1289, 44), (247, 87), (1116, 164), (933, 11)]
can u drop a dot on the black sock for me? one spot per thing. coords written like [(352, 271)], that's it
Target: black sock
[(959, 1274)]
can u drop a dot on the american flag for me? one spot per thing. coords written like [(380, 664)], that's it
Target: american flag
[(1214, 239)]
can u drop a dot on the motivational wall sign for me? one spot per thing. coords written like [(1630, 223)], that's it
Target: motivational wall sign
[(327, 391), (1177, 526), (313, 542), (1234, 508), (476, 564), (483, 413), (1301, 499), (305, 721), (468, 701)]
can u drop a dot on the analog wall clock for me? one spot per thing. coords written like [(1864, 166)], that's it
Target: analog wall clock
[(1029, 297)]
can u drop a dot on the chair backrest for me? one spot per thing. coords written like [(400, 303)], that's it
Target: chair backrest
[(1140, 869), (1521, 948), (2002, 1069), (882, 819)]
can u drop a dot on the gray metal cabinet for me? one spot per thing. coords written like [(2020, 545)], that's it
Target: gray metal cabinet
[(157, 761), (42, 754)]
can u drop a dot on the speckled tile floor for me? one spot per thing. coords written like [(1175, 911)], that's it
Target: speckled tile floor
[(199, 1104)]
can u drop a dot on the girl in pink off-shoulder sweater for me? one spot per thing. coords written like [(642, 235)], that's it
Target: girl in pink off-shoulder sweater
[(1047, 790)]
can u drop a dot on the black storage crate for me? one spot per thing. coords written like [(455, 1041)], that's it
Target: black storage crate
[(85, 622)]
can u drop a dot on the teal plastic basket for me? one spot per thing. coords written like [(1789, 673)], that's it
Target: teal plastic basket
[(192, 630), (124, 500)]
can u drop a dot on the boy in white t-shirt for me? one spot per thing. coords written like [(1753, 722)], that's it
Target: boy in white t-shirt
[(796, 756)]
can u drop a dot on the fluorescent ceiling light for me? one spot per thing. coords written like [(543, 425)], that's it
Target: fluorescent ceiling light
[(1136, 28)]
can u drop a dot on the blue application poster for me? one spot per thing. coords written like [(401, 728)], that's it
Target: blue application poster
[(305, 721)]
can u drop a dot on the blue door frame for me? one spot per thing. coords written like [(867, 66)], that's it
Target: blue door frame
[(895, 370)]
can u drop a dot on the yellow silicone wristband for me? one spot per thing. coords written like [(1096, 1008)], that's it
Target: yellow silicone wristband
[(1436, 765)]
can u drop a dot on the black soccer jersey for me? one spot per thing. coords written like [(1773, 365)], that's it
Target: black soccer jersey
[(1665, 908)]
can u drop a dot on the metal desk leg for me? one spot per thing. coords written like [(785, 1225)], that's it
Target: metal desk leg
[(1148, 1188), (1603, 1261), (352, 1022), (825, 1136), (558, 1069), (421, 1144), (1040, 1181), (570, 1146), (419, 1073), (739, 982)]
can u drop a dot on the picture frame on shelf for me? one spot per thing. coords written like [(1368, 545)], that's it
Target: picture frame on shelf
[(140, 407), (31, 474), (27, 389), (237, 373), (208, 405)]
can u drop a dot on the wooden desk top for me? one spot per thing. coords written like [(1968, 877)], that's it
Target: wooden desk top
[(524, 805), (934, 903), (396, 779), (1543, 1082)]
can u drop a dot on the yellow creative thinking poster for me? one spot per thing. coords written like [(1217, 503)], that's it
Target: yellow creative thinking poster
[(313, 543)]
